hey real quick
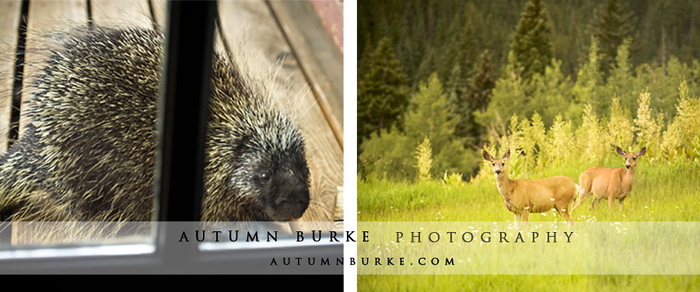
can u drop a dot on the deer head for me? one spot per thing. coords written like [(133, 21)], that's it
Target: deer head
[(630, 158), (499, 165)]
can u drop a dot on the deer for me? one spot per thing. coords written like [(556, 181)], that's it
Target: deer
[(525, 196), (610, 183)]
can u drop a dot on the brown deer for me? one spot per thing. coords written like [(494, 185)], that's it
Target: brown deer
[(536, 195), (610, 183)]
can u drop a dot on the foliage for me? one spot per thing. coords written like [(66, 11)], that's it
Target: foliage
[(613, 23), (632, 84), (423, 155), (532, 44), (601, 85), (382, 94), (391, 154), (474, 98)]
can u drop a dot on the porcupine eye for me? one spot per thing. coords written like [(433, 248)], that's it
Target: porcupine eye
[(263, 177)]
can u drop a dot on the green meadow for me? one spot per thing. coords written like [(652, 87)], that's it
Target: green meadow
[(662, 192), (667, 192), (558, 83), (666, 189)]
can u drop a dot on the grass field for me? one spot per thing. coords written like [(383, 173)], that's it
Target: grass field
[(668, 193), (662, 192), (601, 283)]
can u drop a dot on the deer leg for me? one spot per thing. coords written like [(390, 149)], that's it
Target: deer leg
[(622, 204), (595, 202), (581, 197), (611, 202), (565, 214), (524, 216), (578, 202)]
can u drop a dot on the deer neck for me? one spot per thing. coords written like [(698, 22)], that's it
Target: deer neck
[(628, 176), (505, 186)]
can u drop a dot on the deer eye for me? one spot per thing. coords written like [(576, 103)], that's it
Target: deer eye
[(634, 158), (493, 164)]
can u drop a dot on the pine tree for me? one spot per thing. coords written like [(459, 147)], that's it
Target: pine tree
[(476, 98), (429, 116), (551, 93), (621, 83), (588, 84), (508, 97), (613, 22), (532, 44), (382, 92), (393, 154), (467, 49)]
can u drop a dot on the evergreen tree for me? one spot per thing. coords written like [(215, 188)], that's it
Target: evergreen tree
[(382, 92), (621, 82), (476, 99), (551, 93), (613, 22), (466, 52), (532, 44), (588, 84), (509, 96), (393, 154)]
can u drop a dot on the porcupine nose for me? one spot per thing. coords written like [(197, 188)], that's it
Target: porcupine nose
[(292, 198)]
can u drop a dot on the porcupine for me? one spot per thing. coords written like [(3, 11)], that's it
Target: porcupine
[(89, 152)]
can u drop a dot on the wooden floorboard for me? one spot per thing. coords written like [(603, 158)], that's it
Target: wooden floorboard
[(319, 59), (121, 13), (159, 11), (252, 21)]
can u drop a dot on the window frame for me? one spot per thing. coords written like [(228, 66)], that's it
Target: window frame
[(179, 184)]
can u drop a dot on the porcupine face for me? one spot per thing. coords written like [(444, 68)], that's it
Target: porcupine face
[(275, 166), (256, 164)]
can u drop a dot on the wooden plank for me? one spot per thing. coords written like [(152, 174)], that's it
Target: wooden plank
[(338, 213), (318, 56), (10, 13), (331, 14), (160, 8), (252, 21), (121, 13), (43, 17)]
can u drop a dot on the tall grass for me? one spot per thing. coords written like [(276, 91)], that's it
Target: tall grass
[(667, 188), (661, 193)]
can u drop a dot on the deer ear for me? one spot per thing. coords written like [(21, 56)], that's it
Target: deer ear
[(505, 156), (620, 151), (487, 156), (642, 152)]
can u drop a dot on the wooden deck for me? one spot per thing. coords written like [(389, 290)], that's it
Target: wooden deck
[(291, 30)]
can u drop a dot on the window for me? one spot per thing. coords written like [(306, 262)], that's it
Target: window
[(174, 246)]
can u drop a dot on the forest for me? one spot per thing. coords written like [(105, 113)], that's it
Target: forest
[(558, 82)]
